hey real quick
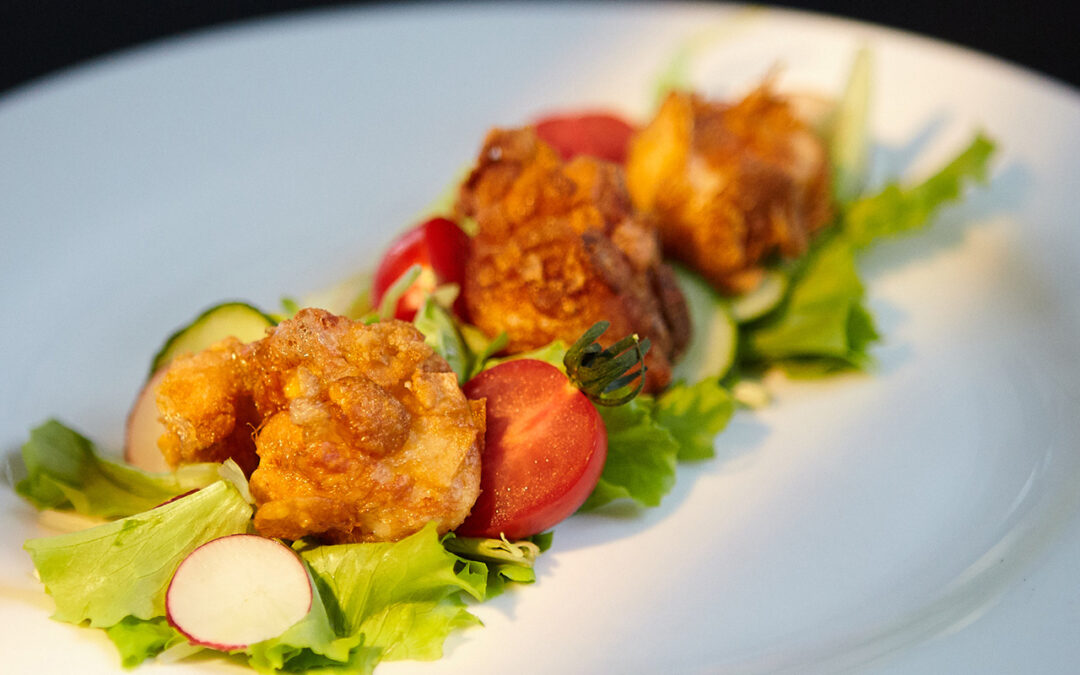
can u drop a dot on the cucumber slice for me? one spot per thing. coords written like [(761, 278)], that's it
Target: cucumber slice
[(762, 300), (849, 139), (236, 319), (711, 351)]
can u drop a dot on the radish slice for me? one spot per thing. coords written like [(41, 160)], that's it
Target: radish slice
[(238, 590), (143, 430)]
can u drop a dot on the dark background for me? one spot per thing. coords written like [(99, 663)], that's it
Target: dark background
[(38, 37)]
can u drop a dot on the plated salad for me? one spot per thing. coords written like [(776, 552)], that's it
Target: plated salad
[(328, 485)]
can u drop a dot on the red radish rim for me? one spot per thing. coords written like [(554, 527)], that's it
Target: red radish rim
[(140, 456), (216, 645)]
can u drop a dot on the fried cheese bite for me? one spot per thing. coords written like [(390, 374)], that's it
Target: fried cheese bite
[(730, 185), (362, 432), (559, 248), (205, 403)]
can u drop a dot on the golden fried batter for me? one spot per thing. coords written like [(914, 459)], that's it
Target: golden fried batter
[(204, 403), (730, 185), (363, 435), (559, 248)]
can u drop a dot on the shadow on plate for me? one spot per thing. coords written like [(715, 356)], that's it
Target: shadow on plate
[(1005, 193), (623, 518)]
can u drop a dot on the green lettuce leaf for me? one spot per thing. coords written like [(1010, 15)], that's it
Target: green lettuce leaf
[(318, 637), (313, 641), (141, 639), (824, 324), (403, 598), (647, 436), (501, 575), (441, 334), (64, 471), (481, 347), (896, 210), (543, 540), (552, 353), (694, 415), (641, 456), (388, 303), (823, 316), (521, 553), (507, 561), (360, 662), (465, 347), (122, 568)]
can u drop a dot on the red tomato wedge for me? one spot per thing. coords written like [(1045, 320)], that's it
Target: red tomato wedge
[(597, 134), (544, 450), (440, 248)]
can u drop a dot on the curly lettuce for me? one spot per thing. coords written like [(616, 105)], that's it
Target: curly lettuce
[(641, 456), (694, 415), (402, 598), (823, 323), (121, 568), (140, 639), (65, 471), (648, 436), (897, 210), (823, 316)]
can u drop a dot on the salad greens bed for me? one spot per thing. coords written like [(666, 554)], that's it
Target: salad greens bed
[(386, 601)]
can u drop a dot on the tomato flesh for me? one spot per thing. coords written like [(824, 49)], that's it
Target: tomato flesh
[(544, 450), (439, 246), (596, 134)]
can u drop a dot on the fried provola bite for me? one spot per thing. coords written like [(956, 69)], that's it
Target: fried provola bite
[(559, 248), (730, 185), (360, 433), (205, 404)]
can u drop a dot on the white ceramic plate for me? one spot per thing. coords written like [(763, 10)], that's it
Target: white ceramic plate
[(921, 519)]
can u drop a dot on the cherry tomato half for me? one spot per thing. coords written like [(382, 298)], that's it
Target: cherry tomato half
[(544, 450), (597, 134), (439, 247)]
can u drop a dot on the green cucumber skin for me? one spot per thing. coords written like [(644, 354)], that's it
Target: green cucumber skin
[(755, 304), (190, 338), (711, 352)]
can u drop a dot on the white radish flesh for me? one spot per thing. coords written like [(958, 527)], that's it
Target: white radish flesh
[(143, 430), (238, 590)]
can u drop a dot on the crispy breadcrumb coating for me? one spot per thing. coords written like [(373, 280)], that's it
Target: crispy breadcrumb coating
[(559, 248), (362, 432), (730, 185), (205, 404)]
